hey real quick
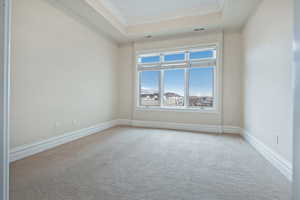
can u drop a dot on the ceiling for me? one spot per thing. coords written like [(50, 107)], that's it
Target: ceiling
[(145, 11), (131, 20)]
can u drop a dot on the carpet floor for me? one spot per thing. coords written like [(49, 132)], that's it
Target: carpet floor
[(125, 163)]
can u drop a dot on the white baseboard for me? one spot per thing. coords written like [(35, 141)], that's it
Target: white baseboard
[(124, 122), (232, 130), (284, 166), (182, 126), (31, 149), (177, 126)]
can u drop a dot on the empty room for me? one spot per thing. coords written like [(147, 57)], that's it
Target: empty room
[(150, 100)]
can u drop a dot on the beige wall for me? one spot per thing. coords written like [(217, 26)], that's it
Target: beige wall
[(126, 81), (296, 194), (2, 48), (231, 81), (61, 71), (268, 75)]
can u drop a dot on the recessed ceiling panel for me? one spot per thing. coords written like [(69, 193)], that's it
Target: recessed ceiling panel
[(145, 11)]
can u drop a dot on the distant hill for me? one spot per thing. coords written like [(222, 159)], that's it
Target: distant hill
[(172, 94)]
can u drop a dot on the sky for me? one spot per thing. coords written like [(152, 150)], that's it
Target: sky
[(174, 81), (201, 81)]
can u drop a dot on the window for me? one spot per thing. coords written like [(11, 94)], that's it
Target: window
[(174, 57), (150, 59), (202, 54), (201, 87), (174, 87), (179, 79), (149, 91)]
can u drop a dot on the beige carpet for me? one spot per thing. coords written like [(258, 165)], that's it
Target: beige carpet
[(143, 164)]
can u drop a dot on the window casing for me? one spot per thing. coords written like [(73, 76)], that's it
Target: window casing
[(193, 72)]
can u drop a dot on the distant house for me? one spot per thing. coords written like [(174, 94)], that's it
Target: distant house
[(149, 99), (173, 99), (197, 101)]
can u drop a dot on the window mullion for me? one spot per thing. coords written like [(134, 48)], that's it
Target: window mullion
[(140, 87), (186, 86), (161, 87), (187, 80)]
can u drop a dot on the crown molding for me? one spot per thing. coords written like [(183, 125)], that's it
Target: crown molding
[(115, 11)]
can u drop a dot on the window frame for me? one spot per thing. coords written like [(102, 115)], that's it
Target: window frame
[(214, 62)]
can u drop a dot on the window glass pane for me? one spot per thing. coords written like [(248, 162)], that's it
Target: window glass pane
[(149, 59), (201, 87), (174, 57), (174, 87), (201, 54), (149, 90)]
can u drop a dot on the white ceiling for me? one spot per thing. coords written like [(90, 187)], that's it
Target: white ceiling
[(132, 12), (131, 20)]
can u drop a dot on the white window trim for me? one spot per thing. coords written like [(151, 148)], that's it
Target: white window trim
[(217, 78), (5, 66)]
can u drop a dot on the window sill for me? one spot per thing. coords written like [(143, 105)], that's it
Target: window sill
[(170, 109)]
